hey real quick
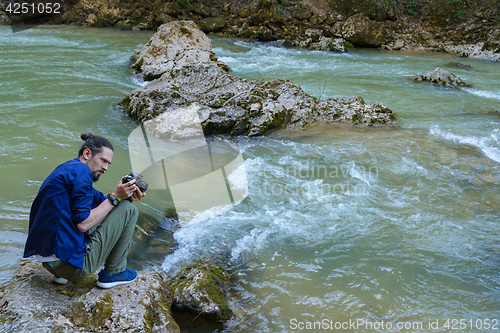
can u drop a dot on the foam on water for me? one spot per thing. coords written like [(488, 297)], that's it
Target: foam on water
[(238, 179), (484, 93), (488, 144)]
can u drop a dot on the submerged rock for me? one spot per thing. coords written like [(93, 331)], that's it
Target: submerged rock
[(458, 64), (228, 104), (31, 302), (441, 77)]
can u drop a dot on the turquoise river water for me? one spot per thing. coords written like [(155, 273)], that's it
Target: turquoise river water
[(394, 229)]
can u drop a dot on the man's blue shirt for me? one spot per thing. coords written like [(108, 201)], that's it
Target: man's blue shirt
[(64, 200)]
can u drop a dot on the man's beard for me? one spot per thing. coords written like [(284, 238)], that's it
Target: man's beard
[(96, 174)]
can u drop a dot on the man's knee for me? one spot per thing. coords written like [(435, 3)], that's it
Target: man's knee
[(131, 209)]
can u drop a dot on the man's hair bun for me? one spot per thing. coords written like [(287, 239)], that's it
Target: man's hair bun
[(86, 136), (95, 143)]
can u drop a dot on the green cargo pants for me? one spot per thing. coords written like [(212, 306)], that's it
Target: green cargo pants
[(109, 244)]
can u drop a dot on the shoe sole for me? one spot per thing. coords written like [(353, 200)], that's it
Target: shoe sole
[(58, 280), (107, 285)]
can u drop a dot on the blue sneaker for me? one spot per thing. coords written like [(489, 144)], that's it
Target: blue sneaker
[(108, 281)]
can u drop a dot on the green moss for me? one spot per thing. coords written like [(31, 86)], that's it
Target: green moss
[(123, 26), (185, 31), (42, 315), (58, 329), (157, 308), (6, 316), (93, 318), (211, 286), (125, 102), (347, 45), (78, 289)]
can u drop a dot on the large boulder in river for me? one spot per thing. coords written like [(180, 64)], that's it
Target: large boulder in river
[(361, 31), (231, 105), (228, 104), (174, 44), (441, 77)]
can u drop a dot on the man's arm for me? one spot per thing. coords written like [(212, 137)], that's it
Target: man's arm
[(96, 215), (122, 192)]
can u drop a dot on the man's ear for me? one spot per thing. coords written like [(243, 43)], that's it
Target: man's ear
[(87, 154)]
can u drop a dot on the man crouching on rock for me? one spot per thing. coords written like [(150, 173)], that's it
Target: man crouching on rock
[(74, 228)]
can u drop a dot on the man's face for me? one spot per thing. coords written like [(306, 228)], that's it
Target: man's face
[(99, 163)]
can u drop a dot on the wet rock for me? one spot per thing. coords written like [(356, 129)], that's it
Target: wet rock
[(202, 289), (174, 44), (441, 77), (362, 31)]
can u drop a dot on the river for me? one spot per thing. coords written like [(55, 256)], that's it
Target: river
[(342, 223)]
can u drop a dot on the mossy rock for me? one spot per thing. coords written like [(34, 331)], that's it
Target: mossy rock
[(123, 26), (202, 288)]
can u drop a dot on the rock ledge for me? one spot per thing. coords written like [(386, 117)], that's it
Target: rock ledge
[(31, 302)]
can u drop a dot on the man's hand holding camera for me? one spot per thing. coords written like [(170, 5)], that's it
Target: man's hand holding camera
[(128, 190)]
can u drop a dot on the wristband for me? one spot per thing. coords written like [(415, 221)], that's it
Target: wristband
[(114, 200)]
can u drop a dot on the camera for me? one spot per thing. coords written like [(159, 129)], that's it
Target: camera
[(141, 184)]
